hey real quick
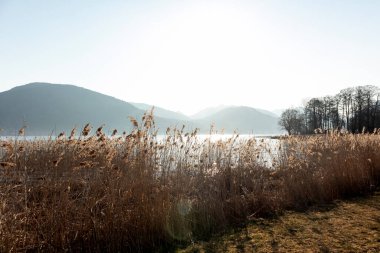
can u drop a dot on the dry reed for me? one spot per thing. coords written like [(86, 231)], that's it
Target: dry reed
[(137, 193)]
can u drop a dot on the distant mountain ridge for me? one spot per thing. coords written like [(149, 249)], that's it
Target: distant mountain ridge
[(243, 119), (51, 108), (45, 108), (161, 112), (208, 111)]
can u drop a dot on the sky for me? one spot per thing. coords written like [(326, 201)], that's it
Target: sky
[(188, 55)]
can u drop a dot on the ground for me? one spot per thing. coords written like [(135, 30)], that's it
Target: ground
[(343, 226)]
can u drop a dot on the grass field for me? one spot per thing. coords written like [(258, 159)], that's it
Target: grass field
[(134, 193), (342, 226)]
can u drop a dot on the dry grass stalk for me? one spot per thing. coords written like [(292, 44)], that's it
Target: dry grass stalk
[(140, 193)]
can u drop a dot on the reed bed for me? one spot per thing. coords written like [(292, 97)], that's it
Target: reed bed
[(135, 192)]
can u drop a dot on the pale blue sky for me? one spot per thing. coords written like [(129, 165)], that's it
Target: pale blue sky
[(187, 55)]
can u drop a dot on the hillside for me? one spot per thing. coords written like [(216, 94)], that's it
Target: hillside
[(52, 108), (206, 112), (243, 119), (161, 112), (49, 108), (270, 113)]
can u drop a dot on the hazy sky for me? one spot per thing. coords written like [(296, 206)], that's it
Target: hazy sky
[(187, 55)]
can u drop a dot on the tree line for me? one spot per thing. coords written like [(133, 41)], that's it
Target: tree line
[(355, 109)]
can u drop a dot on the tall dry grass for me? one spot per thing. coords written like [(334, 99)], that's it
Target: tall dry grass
[(137, 193)]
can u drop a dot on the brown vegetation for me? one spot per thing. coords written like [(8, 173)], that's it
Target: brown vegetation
[(342, 226), (138, 193)]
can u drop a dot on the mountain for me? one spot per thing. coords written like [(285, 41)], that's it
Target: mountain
[(51, 108), (278, 112), (161, 112), (243, 119), (208, 111), (273, 114)]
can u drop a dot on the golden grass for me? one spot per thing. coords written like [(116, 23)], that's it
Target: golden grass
[(136, 193), (342, 226)]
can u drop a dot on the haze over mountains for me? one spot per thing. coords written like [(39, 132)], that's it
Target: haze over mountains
[(161, 112), (52, 108)]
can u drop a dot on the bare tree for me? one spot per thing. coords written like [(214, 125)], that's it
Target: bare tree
[(314, 111), (346, 98), (354, 109), (292, 121)]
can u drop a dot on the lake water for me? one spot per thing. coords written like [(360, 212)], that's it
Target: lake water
[(213, 137)]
